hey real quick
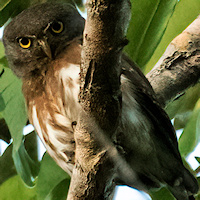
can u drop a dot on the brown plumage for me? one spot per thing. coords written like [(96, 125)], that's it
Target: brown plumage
[(43, 47), (53, 104)]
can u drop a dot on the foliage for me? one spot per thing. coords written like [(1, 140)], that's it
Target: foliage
[(147, 26), (153, 25)]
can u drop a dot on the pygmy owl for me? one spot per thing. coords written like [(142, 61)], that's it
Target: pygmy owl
[(43, 47)]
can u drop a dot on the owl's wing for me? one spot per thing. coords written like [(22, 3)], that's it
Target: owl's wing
[(162, 134), (145, 96)]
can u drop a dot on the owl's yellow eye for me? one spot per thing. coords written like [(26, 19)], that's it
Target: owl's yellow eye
[(57, 27), (24, 42)]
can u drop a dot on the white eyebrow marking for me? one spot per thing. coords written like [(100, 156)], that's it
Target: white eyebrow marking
[(47, 27)]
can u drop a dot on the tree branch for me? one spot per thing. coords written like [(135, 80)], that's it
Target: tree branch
[(100, 97), (179, 67)]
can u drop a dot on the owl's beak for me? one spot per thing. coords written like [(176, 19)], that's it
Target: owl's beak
[(45, 47)]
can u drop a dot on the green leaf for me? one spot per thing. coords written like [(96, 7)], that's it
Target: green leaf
[(4, 131), (52, 174), (12, 8), (73, 2), (2, 103), (1, 50), (31, 145), (3, 4), (79, 2), (198, 159), (14, 113), (185, 104), (181, 120), (191, 134), (147, 26), (162, 194), (185, 12), (60, 191), (198, 195), (7, 11), (3, 61), (25, 166), (7, 167), (15, 189)]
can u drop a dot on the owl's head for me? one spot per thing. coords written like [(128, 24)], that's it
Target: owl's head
[(39, 34)]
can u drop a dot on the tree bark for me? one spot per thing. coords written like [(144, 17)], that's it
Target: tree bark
[(100, 97), (179, 67)]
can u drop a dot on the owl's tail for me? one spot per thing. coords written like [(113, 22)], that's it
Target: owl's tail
[(187, 187)]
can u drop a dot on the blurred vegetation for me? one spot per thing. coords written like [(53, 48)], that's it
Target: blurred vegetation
[(153, 25)]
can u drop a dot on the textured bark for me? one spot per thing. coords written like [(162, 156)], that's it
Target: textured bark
[(104, 39), (100, 96), (179, 67)]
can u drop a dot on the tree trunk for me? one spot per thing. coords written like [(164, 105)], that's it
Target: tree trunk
[(100, 97), (104, 39)]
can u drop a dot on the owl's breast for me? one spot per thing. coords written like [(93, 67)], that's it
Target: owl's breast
[(54, 112), (69, 80)]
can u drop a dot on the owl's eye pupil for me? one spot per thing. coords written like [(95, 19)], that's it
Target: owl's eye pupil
[(57, 27), (24, 42)]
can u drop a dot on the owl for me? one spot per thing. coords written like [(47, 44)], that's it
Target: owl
[(43, 47)]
